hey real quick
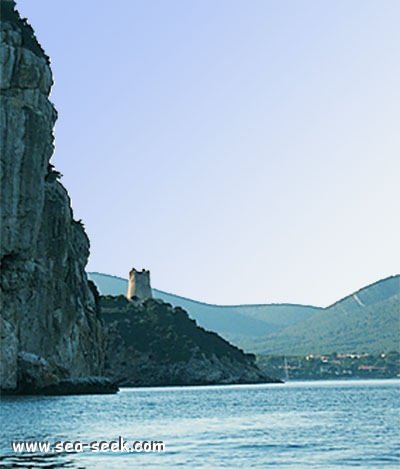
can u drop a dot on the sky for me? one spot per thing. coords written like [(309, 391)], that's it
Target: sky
[(243, 151)]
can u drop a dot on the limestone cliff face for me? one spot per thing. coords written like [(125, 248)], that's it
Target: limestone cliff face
[(49, 325)]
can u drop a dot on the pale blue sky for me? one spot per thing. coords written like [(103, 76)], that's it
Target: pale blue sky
[(244, 151)]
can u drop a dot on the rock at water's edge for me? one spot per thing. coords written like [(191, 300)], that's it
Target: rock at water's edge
[(90, 385)]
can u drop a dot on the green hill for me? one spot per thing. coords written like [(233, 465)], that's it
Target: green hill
[(367, 320)]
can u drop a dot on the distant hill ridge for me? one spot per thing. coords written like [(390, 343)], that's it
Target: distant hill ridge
[(366, 321), (373, 293), (295, 329), (236, 323)]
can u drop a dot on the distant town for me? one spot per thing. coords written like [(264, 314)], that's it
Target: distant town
[(332, 366)]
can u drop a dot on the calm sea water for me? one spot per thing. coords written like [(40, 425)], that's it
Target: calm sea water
[(295, 425)]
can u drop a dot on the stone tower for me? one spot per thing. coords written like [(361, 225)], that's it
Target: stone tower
[(139, 285)]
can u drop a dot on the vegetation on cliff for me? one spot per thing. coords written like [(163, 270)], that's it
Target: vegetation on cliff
[(166, 332), (28, 38), (154, 343)]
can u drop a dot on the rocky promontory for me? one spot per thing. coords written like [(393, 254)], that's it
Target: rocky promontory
[(151, 343), (49, 326)]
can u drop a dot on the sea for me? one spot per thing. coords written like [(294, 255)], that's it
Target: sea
[(320, 424)]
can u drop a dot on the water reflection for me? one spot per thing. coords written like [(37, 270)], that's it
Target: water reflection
[(28, 460)]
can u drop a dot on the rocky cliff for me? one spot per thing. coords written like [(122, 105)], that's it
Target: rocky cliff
[(49, 325), (154, 344)]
